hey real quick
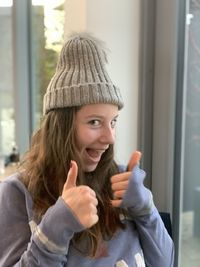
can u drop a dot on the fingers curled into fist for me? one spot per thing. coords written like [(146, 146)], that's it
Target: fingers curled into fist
[(81, 199), (119, 182), (119, 185)]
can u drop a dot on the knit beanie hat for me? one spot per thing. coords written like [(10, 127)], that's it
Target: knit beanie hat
[(81, 77)]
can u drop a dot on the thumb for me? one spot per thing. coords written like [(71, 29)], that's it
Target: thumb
[(72, 175), (134, 160)]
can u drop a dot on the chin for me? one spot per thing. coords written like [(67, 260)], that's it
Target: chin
[(90, 168)]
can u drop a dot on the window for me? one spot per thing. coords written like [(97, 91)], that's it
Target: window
[(190, 212), (33, 34), (7, 111), (47, 34)]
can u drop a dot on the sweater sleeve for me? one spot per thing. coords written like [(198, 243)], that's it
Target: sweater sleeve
[(46, 245), (156, 243)]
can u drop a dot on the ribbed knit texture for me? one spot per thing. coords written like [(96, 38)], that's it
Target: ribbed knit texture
[(81, 77)]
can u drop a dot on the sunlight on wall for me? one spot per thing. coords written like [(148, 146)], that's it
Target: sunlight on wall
[(6, 3), (47, 3)]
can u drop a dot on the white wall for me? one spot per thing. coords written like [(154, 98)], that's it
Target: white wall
[(118, 24)]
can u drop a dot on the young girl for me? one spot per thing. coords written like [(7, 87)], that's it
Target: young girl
[(71, 204)]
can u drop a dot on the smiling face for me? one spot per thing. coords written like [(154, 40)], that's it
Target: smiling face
[(95, 131)]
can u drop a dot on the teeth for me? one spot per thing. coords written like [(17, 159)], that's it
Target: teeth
[(94, 153)]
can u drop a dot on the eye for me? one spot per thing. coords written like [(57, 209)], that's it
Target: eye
[(113, 123), (94, 122)]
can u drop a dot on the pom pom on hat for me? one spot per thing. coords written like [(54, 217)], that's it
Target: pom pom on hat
[(81, 77)]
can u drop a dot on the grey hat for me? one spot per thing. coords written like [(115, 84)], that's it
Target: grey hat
[(81, 77)]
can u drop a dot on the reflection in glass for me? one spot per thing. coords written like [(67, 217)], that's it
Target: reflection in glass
[(190, 219), (7, 118), (46, 42)]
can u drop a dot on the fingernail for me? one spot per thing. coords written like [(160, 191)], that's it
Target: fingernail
[(72, 162)]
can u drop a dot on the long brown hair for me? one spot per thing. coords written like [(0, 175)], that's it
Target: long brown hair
[(45, 168)]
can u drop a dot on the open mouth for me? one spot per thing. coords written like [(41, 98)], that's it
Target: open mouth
[(95, 154)]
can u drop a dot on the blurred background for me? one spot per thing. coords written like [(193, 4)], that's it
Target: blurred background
[(154, 57)]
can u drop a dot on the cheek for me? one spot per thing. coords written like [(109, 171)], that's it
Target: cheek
[(85, 138)]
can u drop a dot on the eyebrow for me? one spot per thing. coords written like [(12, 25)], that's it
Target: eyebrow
[(99, 116)]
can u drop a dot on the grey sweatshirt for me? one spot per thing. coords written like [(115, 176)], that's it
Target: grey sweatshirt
[(26, 242)]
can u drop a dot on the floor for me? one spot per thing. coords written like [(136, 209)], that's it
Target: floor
[(5, 172), (190, 244)]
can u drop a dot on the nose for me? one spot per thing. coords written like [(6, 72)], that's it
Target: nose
[(108, 135)]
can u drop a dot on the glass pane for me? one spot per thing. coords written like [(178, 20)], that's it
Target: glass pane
[(46, 41), (190, 217), (7, 118)]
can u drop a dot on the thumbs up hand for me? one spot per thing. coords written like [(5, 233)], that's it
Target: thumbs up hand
[(119, 182), (81, 199), (134, 160)]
